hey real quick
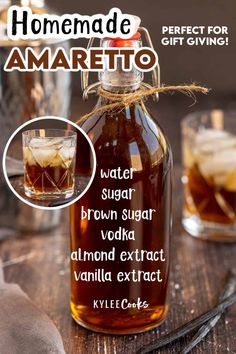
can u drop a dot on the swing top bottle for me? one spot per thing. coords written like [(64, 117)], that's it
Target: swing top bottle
[(129, 142)]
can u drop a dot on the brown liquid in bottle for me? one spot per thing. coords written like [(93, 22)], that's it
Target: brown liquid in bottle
[(127, 139)]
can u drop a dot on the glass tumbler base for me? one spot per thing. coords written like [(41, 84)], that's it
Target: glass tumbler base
[(63, 194), (209, 231)]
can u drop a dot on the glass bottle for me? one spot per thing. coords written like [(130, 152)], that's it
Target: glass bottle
[(128, 142)]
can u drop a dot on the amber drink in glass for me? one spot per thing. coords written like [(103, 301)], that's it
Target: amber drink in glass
[(49, 163), (209, 176)]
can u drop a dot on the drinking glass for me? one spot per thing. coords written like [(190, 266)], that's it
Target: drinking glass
[(49, 163), (209, 174)]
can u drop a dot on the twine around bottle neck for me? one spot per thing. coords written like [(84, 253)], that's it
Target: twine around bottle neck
[(124, 100)]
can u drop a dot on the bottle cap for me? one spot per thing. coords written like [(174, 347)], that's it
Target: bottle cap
[(120, 42)]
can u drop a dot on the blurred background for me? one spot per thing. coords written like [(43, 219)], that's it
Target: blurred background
[(212, 66), (199, 267)]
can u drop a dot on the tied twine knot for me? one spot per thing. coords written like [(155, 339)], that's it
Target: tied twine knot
[(119, 100)]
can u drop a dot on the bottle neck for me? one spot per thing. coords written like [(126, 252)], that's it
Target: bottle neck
[(122, 85), (121, 81)]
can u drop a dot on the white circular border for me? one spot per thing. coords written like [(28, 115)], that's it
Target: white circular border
[(5, 171)]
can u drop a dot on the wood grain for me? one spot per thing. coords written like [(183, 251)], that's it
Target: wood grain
[(197, 277)]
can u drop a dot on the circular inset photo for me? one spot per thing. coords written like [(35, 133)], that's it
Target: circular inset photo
[(49, 162)]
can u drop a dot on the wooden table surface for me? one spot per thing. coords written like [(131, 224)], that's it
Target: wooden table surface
[(197, 277)]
